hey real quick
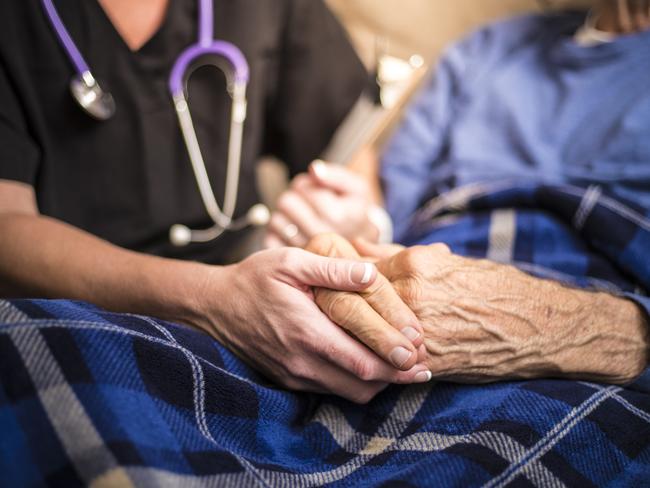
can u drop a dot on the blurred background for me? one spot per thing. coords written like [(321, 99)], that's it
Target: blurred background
[(399, 41), (425, 26)]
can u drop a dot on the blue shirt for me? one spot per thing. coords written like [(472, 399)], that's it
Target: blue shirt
[(520, 99)]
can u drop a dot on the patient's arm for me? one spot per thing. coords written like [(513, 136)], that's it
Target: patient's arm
[(485, 321)]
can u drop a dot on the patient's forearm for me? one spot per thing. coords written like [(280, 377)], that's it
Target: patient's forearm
[(485, 321), (42, 257), (537, 329), (603, 338)]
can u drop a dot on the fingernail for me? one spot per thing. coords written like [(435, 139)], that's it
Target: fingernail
[(423, 377), (319, 168), (399, 356), (410, 333), (362, 273)]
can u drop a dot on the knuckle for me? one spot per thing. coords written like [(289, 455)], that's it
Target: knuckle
[(287, 258), (286, 201), (276, 221), (301, 180), (412, 258), (379, 289), (362, 369), (299, 369), (291, 383), (322, 244), (333, 271), (440, 248), (342, 308)]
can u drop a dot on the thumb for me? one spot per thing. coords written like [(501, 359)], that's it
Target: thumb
[(379, 251), (333, 273), (337, 178)]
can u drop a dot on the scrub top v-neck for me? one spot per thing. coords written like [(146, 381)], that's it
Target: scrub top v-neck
[(129, 179)]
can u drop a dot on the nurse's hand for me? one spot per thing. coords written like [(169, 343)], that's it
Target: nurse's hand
[(327, 199), (263, 309)]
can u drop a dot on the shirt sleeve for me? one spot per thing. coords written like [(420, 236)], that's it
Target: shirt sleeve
[(19, 154), (642, 383), (320, 79)]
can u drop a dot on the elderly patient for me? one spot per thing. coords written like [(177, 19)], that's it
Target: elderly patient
[(530, 146)]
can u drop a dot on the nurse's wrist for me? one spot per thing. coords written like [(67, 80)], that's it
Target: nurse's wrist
[(193, 291)]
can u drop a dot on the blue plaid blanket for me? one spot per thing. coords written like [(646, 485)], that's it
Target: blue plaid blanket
[(91, 397)]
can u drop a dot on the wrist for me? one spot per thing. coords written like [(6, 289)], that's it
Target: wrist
[(610, 343), (186, 301)]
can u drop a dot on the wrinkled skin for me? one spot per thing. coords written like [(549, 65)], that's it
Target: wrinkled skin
[(485, 321)]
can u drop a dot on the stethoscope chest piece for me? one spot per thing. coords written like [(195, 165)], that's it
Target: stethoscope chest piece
[(90, 96)]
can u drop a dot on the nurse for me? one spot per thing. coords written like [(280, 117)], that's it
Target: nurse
[(86, 205)]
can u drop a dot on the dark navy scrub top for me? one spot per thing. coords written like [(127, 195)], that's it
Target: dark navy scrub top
[(129, 179)]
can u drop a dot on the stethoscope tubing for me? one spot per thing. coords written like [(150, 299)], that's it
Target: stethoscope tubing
[(237, 75), (77, 59)]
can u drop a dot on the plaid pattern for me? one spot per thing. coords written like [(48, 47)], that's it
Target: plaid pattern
[(91, 397)]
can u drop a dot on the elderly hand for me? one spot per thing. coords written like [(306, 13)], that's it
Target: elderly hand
[(485, 321), (263, 309), (328, 198)]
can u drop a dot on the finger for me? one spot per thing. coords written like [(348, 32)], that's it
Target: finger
[(301, 180), (379, 251), (333, 246), (299, 212), (321, 199), (286, 230), (310, 269), (414, 260), (383, 298), (337, 178), (385, 306), (354, 314), (352, 356), (422, 353), (273, 241), (319, 376)]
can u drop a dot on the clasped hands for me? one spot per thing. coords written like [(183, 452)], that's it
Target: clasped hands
[(324, 320), (319, 319), (483, 321)]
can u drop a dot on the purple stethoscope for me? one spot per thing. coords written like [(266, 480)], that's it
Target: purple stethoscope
[(222, 55)]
